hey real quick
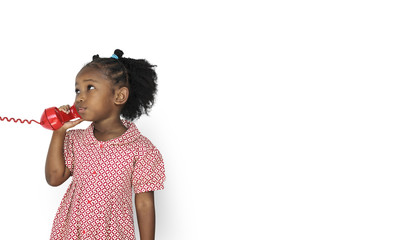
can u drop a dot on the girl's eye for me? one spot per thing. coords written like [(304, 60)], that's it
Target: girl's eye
[(90, 87), (77, 91)]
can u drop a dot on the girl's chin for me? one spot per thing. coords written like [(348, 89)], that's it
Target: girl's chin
[(85, 117)]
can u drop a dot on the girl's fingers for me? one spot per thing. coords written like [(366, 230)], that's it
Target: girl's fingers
[(65, 108)]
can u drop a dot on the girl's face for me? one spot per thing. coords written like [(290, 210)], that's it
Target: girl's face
[(94, 95)]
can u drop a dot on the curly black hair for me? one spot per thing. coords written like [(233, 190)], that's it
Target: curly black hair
[(136, 74)]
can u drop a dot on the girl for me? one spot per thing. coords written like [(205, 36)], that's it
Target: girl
[(110, 157)]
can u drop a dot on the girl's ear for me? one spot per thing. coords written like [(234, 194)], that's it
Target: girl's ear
[(121, 95)]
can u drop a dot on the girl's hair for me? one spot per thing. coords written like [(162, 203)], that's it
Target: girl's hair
[(136, 74)]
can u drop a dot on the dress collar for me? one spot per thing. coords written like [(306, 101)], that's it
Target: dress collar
[(130, 135)]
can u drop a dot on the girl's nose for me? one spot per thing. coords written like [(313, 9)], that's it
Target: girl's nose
[(80, 98)]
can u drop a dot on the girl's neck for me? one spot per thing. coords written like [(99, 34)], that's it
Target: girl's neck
[(108, 129)]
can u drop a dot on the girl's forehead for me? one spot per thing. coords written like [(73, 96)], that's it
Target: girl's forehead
[(90, 74)]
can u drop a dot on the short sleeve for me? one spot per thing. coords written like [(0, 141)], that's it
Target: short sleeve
[(149, 172), (69, 150)]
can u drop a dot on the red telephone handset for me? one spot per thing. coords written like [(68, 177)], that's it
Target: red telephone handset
[(53, 118)]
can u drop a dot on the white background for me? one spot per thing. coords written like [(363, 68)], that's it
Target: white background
[(276, 119)]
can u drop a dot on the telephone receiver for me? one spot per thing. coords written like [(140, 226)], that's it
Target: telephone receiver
[(53, 119)]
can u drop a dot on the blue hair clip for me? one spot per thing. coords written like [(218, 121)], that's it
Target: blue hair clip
[(114, 56)]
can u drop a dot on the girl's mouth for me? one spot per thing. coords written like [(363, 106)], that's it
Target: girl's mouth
[(81, 110)]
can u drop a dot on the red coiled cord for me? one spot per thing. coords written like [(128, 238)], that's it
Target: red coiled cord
[(18, 120)]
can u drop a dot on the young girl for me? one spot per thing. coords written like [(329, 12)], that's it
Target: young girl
[(110, 157)]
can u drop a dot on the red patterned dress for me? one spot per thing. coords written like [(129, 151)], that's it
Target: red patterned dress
[(98, 203)]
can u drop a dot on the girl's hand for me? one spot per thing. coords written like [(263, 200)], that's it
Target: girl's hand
[(65, 108), (70, 124)]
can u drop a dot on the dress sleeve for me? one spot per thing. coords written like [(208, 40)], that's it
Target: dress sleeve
[(149, 172), (69, 151)]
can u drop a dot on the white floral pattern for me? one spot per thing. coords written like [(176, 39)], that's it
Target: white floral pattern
[(98, 203)]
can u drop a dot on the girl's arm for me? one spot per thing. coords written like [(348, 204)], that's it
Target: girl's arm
[(55, 170), (145, 212)]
